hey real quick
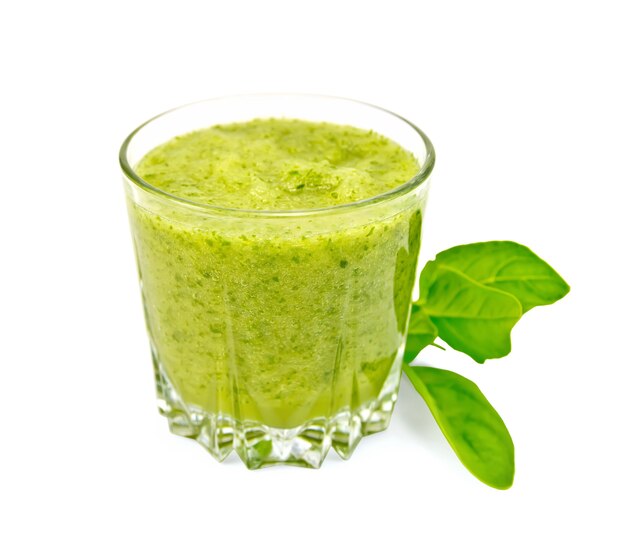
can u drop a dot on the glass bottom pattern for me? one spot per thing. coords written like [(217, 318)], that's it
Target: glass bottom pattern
[(259, 445)]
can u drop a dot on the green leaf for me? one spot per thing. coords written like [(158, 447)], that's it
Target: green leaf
[(470, 317), (421, 333), (471, 425), (510, 267)]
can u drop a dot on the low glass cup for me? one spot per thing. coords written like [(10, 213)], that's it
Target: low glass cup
[(276, 333)]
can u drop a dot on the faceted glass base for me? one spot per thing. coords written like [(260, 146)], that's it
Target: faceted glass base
[(259, 445)]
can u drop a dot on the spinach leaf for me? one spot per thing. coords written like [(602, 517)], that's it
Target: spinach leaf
[(471, 425), (510, 267), (471, 296), (470, 317), (421, 333)]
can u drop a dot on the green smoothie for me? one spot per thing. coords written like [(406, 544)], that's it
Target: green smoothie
[(271, 315)]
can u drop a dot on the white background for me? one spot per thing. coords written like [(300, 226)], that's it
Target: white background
[(525, 103)]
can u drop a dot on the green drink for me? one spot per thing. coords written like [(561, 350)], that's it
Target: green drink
[(276, 284)]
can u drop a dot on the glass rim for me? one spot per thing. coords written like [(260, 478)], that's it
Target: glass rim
[(414, 182)]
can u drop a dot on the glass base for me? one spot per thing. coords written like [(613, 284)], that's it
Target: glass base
[(259, 445)]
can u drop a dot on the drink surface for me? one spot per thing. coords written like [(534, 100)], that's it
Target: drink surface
[(282, 320), (278, 164)]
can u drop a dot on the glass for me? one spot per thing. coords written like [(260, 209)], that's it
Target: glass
[(276, 333)]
